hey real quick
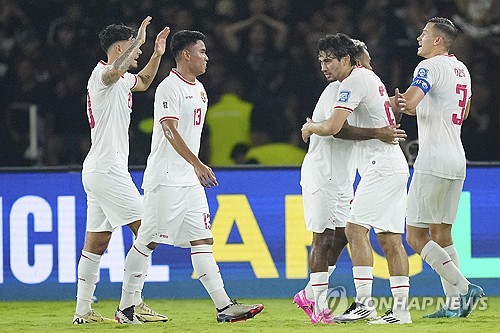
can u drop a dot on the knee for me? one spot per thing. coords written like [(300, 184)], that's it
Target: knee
[(391, 245), (206, 241), (97, 245), (415, 240)]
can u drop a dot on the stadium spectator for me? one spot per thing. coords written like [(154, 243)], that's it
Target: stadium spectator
[(28, 29)]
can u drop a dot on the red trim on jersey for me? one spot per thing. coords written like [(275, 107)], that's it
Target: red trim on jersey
[(168, 117), (103, 62), (180, 77), (200, 252), (343, 108), (319, 284), (358, 66), (402, 286), (364, 279), (135, 83)]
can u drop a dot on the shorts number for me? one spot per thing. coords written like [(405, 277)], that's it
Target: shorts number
[(461, 89)]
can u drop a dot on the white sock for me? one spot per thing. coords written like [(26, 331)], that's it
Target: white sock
[(363, 282), (308, 288), (133, 274), (451, 292), (88, 268), (319, 284), (400, 288), (208, 273), (441, 262), (138, 293)]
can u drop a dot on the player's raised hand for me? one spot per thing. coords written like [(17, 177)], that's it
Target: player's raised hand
[(141, 33), (391, 134), (306, 132), (161, 41), (205, 175)]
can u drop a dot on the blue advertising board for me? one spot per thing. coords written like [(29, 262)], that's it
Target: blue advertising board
[(261, 243)]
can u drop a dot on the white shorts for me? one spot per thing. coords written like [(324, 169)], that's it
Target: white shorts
[(433, 200), (380, 203), (175, 216), (326, 208), (113, 200)]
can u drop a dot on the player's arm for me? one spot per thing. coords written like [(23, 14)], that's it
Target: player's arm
[(413, 96), (330, 126), (388, 134), (204, 173), (148, 73), (112, 74)]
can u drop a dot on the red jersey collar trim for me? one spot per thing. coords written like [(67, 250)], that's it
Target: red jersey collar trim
[(182, 78), (103, 62)]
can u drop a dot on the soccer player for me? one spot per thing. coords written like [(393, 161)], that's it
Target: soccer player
[(440, 92), (175, 203), (380, 199), (327, 175), (112, 198)]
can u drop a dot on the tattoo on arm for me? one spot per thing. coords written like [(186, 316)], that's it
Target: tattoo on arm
[(120, 65)]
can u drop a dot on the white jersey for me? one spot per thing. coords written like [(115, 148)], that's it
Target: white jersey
[(328, 160), (447, 86), (108, 111), (363, 94), (185, 101)]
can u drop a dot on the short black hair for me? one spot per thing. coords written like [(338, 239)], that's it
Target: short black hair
[(338, 45), (115, 33), (447, 28), (360, 48), (183, 39)]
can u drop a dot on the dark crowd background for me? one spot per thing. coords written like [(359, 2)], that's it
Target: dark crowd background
[(262, 50)]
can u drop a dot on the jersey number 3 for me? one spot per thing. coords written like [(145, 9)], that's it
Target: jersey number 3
[(457, 119), (197, 116)]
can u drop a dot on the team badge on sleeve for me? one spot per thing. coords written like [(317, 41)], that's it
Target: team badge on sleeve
[(165, 104), (344, 96), (422, 73), (203, 96)]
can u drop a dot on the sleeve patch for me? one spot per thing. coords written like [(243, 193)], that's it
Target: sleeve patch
[(422, 73), (165, 104), (344, 96)]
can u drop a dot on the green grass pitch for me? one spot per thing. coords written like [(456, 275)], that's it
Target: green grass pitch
[(279, 315)]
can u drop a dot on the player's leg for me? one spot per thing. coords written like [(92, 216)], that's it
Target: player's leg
[(441, 234), (96, 242), (397, 261), (362, 262), (196, 231), (320, 208), (318, 263), (132, 309), (88, 267), (425, 207)]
